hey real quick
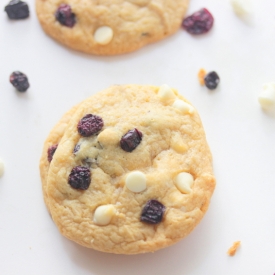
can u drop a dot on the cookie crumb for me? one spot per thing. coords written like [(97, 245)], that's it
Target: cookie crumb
[(242, 7), (2, 168), (267, 96), (201, 76), (232, 250)]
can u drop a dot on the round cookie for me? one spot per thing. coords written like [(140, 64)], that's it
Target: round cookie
[(133, 171), (109, 27)]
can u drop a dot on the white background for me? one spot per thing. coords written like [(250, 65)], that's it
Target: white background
[(240, 134)]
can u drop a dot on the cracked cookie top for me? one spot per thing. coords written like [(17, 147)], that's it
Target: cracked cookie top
[(136, 200), (109, 27)]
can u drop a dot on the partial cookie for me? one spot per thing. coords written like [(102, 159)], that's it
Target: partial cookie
[(50, 146), (133, 171), (109, 27)]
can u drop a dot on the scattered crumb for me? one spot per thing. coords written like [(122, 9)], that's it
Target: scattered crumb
[(201, 75), (232, 250), (242, 7), (2, 167), (267, 96)]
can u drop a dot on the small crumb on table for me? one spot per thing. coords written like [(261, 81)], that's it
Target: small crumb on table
[(232, 250), (2, 168), (201, 76)]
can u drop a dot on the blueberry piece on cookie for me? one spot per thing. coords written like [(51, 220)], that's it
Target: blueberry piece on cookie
[(131, 140), (65, 16), (76, 148), (90, 125), (152, 212), (51, 151), (80, 178)]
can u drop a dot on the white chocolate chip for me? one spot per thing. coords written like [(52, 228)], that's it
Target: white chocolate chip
[(183, 106), (136, 181), (166, 94), (103, 35), (177, 143), (184, 182), (103, 214), (267, 96), (108, 137), (2, 167), (241, 7)]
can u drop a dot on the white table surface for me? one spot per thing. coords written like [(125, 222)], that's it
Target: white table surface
[(240, 134)]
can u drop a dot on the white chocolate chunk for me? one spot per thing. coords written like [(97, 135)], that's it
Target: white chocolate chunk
[(267, 96), (103, 35), (166, 94), (183, 106), (103, 214), (184, 182), (108, 137), (2, 167), (136, 181), (241, 7), (177, 143)]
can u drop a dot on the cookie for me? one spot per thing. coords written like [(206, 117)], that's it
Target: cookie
[(132, 172), (109, 27), (49, 148)]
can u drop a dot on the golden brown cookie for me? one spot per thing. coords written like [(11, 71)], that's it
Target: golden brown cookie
[(109, 27), (50, 145), (133, 171)]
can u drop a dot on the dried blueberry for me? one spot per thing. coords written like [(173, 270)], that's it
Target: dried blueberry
[(89, 125), (19, 81), (51, 151), (17, 9), (65, 16), (152, 212), (212, 80), (80, 178), (131, 140), (198, 23)]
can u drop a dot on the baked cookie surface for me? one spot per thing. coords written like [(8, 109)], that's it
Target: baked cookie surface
[(133, 171), (50, 146), (108, 27)]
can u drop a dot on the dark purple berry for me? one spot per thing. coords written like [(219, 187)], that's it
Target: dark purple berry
[(198, 23), (80, 178), (89, 125), (19, 81), (51, 151), (17, 9), (76, 148), (212, 80), (131, 140), (152, 212), (65, 16)]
